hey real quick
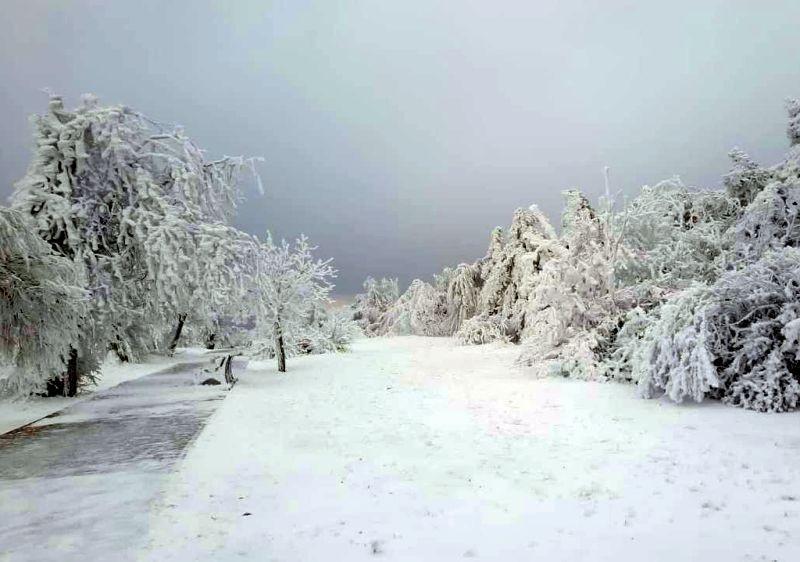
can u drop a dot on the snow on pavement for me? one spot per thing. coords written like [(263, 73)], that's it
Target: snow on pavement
[(16, 413), (77, 485), (418, 449)]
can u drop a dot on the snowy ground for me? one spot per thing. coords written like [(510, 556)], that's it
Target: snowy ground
[(417, 449), (78, 484)]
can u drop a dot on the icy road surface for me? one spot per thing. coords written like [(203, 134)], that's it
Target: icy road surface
[(78, 485)]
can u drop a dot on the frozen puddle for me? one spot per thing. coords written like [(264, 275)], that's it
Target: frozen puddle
[(77, 485)]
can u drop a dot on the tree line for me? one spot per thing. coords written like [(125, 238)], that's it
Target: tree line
[(691, 293), (119, 235)]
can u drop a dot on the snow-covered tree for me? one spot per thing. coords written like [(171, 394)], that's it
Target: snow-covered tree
[(572, 296), (41, 306), (422, 311), (672, 236), (793, 128), (511, 266), (137, 206), (463, 293), (370, 307), (288, 280), (746, 179)]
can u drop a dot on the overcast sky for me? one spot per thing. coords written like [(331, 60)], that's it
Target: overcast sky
[(397, 134)]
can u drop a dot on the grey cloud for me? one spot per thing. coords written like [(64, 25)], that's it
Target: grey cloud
[(396, 135)]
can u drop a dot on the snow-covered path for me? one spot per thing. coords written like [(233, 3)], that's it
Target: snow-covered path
[(78, 484), (417, 449)]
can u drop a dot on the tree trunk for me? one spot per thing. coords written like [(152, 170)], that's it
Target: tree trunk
[(229, 378), (211, 341), (121, 355), (280, 352), (178, 329), (71, 376)]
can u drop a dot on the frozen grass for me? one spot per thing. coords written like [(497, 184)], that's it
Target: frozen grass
[(417, 449)]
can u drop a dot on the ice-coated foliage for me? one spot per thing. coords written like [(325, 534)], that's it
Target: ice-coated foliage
[(41, 306), (333, 332), (746, 178), (422, 310), (736, 340), (671, 236), (673, 355), (771, 221), (754, 314), (369, 307), (463, 293), (481, 329), (511, 266), (617, 351), (793, 127), (137, 206), (572, 296), (288, 285), (689, 293)]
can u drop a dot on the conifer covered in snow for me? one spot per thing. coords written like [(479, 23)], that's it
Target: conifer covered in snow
[(511, 266), (42, 303)]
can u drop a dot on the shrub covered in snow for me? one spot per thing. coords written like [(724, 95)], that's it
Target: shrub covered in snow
[(746, 179), (370, 307), (482, 329), (333, 332), (771, 221), (737, 340), (422, 310)]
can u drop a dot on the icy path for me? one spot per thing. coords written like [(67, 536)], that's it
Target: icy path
[(415, 449), (77, 485)]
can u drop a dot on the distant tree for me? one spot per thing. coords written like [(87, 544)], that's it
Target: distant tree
[(370, 306), (463, 293), (287, 280), (41, 308), (421, 310)]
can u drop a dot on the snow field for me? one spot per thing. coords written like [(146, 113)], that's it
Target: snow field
[(415, 448)]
